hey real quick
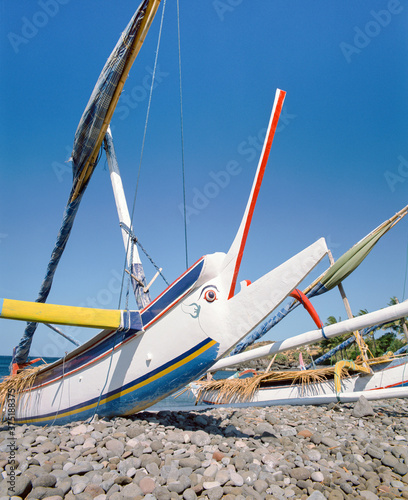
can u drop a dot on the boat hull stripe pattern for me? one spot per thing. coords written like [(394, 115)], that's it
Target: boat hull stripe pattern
[(173, 294), (139, 393)]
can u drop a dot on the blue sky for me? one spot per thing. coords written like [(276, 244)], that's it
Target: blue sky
[(338, 166)]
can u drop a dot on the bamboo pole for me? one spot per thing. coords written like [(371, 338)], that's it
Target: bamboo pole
[(271, 363), (387, 315)]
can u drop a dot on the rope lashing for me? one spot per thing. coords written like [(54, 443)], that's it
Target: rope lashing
[(135, 240)]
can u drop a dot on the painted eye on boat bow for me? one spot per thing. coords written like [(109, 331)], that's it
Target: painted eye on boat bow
[(210, 295)]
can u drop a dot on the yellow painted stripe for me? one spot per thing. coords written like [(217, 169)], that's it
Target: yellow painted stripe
[(123, 393), (62, 315)]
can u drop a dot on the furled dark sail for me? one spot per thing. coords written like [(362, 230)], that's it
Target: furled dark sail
[(88, 140)]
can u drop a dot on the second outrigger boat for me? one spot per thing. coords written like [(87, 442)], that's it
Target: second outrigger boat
[(376, 378), (347, 380)]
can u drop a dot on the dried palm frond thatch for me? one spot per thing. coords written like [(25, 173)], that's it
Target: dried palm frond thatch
[(13, 387), (242, 390)]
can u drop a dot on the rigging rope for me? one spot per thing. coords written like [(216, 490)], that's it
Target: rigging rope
[(151, 260), (135, 240), (148, 108), (182, 135)]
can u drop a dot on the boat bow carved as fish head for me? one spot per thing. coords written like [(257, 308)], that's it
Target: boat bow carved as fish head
[(228, 319)]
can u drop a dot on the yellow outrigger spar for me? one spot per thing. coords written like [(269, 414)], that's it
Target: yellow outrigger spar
[(60, 315)]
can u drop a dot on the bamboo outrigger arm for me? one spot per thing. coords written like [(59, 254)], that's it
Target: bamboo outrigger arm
[(70, 315), (387, 314)]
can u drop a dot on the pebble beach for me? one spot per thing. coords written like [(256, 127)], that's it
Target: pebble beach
[(338, 451)]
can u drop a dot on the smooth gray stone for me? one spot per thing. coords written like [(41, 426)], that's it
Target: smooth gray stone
[(80, 469), (316, 495), (47, 480), (362, 408), (22, 487), (401, 469), (200, 438)]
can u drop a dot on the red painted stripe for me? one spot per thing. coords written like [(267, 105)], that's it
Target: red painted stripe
[(258, 183), (397, 384)]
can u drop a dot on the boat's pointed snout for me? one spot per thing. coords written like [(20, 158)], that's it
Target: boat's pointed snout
[(255, 301), (227, 320)]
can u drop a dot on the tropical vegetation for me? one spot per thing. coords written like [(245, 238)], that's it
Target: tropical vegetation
[(387, 337)]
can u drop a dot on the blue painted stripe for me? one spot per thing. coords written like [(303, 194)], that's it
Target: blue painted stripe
[(90, 355), (402, 384), (170, 296), (172, 293)]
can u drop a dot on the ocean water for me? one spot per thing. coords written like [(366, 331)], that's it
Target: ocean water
[(185, 401), (5, 362)]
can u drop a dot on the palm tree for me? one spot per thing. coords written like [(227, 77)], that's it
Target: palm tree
[(329, 344), (371, 335), (331, 320), (399, 326), (387, 341)]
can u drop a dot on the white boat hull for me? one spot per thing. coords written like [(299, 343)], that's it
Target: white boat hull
[(184, 333)]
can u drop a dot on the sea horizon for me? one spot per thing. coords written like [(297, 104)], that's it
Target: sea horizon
[(185, 401)]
